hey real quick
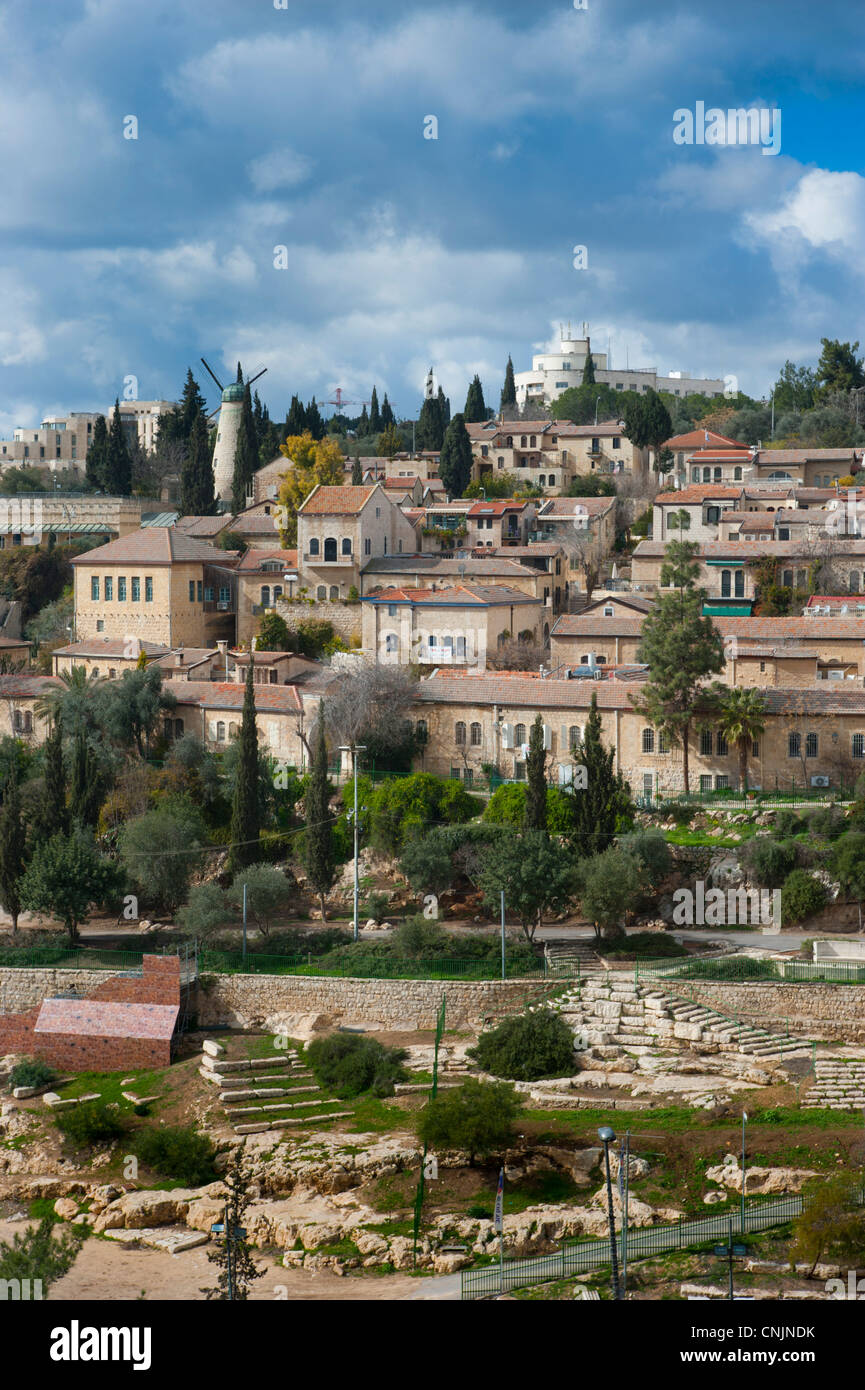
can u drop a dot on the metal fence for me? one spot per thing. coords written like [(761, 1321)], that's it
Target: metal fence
[(71, 958), (745, 969), (581, 1257)]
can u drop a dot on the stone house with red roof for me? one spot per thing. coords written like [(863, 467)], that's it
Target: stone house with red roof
[(339, 530)]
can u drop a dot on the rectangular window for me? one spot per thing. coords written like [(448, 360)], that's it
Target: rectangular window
[(94, 586), (136, 588), (367, 546), (755, 748), (121, 588), (859, 745), (811, 744), (794, 745), (663, 742), (721, 781), (208, 595), (706, 782), (706, 743), (148, 588), (192, 591), (225, 594), (200, 591), (722, 746), (109, 587)]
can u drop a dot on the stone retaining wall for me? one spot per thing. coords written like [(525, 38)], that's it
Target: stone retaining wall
[(22, 989), (262, 1000), (345, 617), (832, 1012)]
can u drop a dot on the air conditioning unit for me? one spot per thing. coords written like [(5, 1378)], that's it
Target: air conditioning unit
[(819, 781)]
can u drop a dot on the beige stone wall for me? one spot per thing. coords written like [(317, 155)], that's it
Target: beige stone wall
[(617, 650), (170, 617), (833, 1012), (261, 1000), (22, 989), (347, 618)]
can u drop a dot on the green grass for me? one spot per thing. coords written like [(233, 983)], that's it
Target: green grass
[(550, 1187), (108, 1084)]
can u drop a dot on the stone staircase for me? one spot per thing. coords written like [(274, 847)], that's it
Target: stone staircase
[(615, 1017), (568, 956), (839, 1085), (261, 1093)]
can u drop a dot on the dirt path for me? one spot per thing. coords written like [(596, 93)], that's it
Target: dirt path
[(107, 1272)]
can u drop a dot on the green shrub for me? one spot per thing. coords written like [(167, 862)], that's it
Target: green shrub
[(802, 895), (651, 851), (349, 1064), (769, 861), (175, 1151), (786, 824), (829, 823), (91, 1123), (681, 812), (478, 1117), (528, 1046), (376, 906), (650, 944), (32, 1072)]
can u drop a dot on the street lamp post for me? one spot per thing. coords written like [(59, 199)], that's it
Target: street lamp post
[(354, 749), (607, 1137)]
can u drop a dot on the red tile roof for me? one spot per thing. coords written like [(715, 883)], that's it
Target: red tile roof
[(91, 1018), (157, 545), (696, 439), (460, 595), (496, 507), (591, 625), (337, 501), (697, 492), (254, 559), (814, 629), (269, 699)]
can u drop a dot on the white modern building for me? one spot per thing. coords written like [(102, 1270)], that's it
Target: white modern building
[(556, 371)]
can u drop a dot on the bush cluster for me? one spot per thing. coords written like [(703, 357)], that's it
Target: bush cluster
[(91, 1123), (176, 1151), (349, 1064), (32, 1072), (527, 1047)]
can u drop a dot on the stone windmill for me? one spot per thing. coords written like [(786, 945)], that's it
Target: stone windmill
[(230, 413)]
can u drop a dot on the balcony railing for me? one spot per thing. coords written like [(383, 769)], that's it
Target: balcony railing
[(322, 560)]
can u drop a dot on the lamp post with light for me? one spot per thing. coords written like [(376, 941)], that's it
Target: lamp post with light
[(607, 1137)]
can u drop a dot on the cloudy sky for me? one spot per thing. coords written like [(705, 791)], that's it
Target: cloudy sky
[(303, 127)]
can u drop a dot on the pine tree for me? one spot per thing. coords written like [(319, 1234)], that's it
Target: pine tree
[(12, 850), (192, 404), (97, 453), (536, 775), (245, 812), (318, 846), (598, 799), (295, 420), (681, 648), (589, 371), (455, 465), (52, 817), (245, 454), (233, 1251), (475, 412), (118, 464), (197, 497), (374, 414), (356, 473), (387, 415), (509, 390)]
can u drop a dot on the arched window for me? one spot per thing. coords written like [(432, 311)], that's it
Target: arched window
[(737, 474), (552, 480), (475, 735), (422, 731), (574, 737), (334, 593), (313, 545), (346, 545), (321, 593), (460, 734), (787, 579), (648, 740), (522, 441), (520, 735), (510, 441), (232, 730), (329, 548), (740, 584), (18, 721), (277, 592), (794, 745), (390, 642), (811, 745), (220, 731), (542, 480), (725, 583), (663, 742), (265, 595), (546, 633)]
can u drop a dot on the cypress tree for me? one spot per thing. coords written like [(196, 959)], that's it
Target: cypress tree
[(509, 390), (597, 805), (314, 422), (196, 476), (245, 813), (245, 454), (589, 371), (53, 815), (363, 424), (387, 415), (374, 414), (429, 434), (318, 847), (85, 784), (536, 788), (295, 420), (455, 465), (444, 406), (12, 850), (118, 463), (192, 404), (97, 453), (356, 473), (475, 411)]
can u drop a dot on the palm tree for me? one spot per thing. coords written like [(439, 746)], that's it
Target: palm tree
[(742, 720), (70, 703)]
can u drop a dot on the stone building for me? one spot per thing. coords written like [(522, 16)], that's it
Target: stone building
[(463, 626), (213, 710), (159, 585), (339, 530)]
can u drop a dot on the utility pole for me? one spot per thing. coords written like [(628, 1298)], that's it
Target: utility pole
[(503, 933), (354, 749), (244, 921), (607, 1137)]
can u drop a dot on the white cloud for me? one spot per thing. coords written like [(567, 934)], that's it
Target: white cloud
[(282, 168), (824, 212)]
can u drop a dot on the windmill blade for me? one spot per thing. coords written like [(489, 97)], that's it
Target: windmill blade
[(212, 414), (213, 374), (251, 379)]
